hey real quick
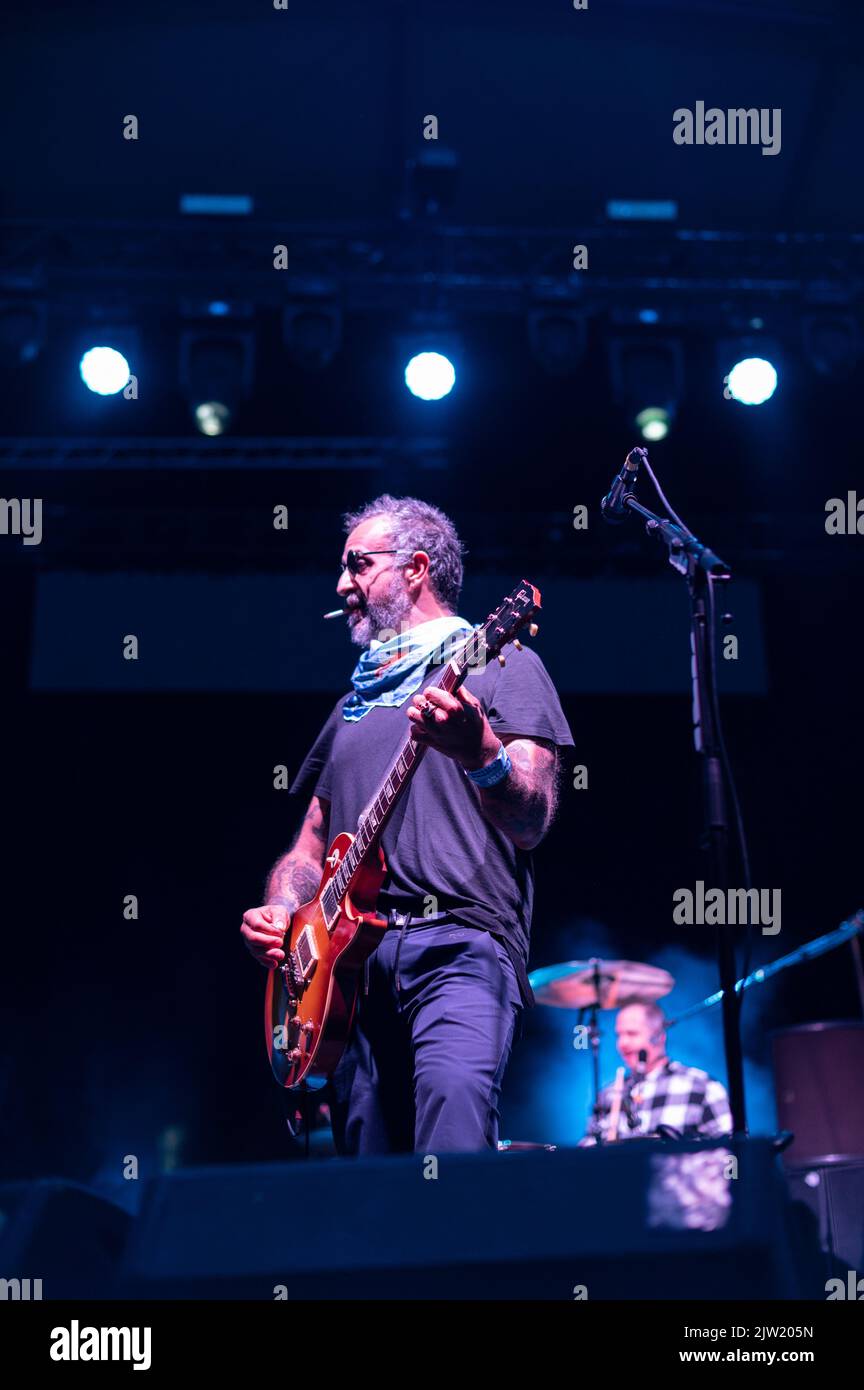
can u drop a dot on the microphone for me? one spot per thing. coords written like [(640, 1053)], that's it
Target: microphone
[(636, 1075), (612, 508)]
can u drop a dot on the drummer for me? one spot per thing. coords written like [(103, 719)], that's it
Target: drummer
[(658, 1094)]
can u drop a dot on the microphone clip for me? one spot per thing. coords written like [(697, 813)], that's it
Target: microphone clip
[(614, 508)]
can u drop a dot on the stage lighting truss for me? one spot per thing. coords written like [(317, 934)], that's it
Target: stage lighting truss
[(374, 264)]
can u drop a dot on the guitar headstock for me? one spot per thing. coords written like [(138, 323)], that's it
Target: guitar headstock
[(519, 609)]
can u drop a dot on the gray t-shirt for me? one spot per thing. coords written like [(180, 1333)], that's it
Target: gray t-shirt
[(437, 841)]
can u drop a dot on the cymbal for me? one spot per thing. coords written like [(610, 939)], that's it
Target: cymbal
[(573, 985)]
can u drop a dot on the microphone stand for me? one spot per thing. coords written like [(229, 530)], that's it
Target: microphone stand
[(699, 566), (849, 930), (595, 1128)]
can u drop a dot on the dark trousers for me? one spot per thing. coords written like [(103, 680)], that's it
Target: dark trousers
[(431, 1040)]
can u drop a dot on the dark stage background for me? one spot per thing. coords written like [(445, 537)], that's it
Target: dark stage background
[(156, 779)]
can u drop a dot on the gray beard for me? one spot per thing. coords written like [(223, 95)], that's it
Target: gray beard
[(382, 614)]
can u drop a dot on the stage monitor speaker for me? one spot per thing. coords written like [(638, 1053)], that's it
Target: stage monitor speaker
[(59, 1240), (818, 1071), (639, 1220), (835, 1195)]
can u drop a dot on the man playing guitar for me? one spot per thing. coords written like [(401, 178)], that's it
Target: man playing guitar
[(435, 1020)]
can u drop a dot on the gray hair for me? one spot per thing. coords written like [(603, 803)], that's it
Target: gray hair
[(653, 1014), (417, 525)]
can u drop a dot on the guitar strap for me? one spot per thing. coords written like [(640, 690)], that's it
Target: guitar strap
[(400, 920)]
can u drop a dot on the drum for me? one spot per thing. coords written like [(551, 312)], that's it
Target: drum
[(817, 1075)]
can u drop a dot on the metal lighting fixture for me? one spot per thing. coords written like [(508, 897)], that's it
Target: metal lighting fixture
[(748, 368), (832, 342), (557, 337), (312, 331), (22, 330), (216, 373), (647, 376)]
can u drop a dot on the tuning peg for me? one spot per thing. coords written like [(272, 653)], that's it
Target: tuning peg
[(517, 644), (501, 659), (533, 629)]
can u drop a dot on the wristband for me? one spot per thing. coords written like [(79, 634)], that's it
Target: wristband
[(499, 768)]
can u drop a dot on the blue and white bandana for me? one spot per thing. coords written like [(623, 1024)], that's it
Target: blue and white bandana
[(388, 672)]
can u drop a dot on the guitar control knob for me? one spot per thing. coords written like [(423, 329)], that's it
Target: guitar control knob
[(517, 644), (533, 629), (502, 660)]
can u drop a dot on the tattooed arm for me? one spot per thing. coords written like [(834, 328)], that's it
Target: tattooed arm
[(295, 877), (523, 805), (292, 881)]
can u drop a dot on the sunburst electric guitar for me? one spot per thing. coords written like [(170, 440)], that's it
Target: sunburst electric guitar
[(312, 995)]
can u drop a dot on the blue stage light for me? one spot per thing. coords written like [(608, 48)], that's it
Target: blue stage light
[(430, 376), (752, 381), (104, 370)]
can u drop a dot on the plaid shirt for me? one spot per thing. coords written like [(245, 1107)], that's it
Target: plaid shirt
[(686, 1098)]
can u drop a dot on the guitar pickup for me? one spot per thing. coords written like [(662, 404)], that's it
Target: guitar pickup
[(305, 954)]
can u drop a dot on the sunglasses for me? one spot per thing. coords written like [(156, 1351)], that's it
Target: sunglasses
[(354, 558)]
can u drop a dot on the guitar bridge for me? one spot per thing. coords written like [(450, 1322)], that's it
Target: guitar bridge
[(292, 980)]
